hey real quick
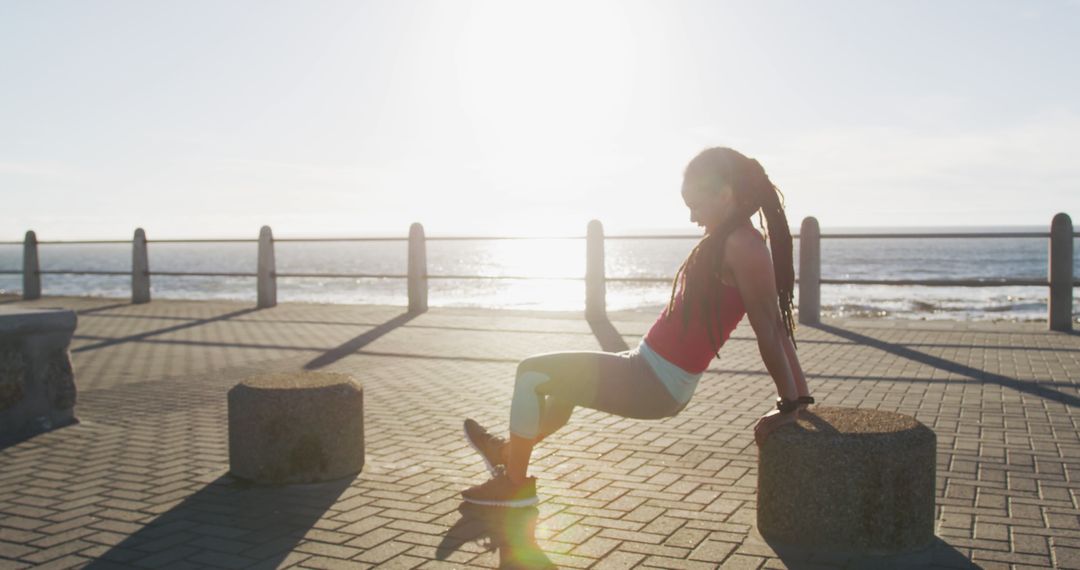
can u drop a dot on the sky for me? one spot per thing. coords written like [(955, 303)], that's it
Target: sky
[(211, 119)]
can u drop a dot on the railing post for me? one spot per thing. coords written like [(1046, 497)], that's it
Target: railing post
[(595, 281), (1060, 303), (140, 269), (31, 272), (810, 272), (267, 281), (418, 279)]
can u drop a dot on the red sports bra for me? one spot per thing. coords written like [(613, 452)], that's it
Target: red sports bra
[(691, 349)]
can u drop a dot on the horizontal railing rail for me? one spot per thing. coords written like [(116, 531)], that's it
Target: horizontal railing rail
[(81, 272), (946, 235), (1060, 278), (977, 282), (933, 235), (321, 239), (944, 282)]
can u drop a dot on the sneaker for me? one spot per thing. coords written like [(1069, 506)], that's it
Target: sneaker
[(490, 447), (500, 491)]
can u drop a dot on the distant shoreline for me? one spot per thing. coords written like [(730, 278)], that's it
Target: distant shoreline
[(613, 315)]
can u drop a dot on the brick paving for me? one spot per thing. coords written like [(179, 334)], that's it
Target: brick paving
[(142, 480)]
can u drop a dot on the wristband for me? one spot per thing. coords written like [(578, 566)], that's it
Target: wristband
[(786, 406)]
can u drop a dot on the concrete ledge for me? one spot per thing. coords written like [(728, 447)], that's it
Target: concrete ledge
[(849, 480), (37, 382), (300, 427)]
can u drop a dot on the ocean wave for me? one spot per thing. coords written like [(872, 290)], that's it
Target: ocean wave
[(855, 310), (1017, 307), (918, 306)]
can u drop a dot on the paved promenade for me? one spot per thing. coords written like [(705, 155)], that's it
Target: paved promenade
[(142, 480)]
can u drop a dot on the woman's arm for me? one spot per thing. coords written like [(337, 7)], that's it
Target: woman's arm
[(750, 263), (796, 369), (749, 260)]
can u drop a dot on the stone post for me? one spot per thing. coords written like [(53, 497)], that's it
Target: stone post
[(140, 269), (810, 272), (296, 427), (852, 481), (37, 383), (31, 272), (267, 280), (595, 281), (418, 279), (1060, 303)]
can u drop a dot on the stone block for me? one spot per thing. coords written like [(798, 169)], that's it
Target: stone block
[(851, 480), (37, 382), (299, 427)]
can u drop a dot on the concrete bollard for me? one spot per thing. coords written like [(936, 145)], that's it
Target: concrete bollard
[(31, 272), (296, 427), (37, 382), (140, 269), (858, 482), (1060, 303), (595, 280), (810, 272), (418, 279), (267, 273)]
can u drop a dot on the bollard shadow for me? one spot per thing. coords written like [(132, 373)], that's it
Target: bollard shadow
[(606, 333), (11, 440), (145, 335), (939, 554), (352, 346), (820, 424), (258, 526), (511, 532), (1032, 388), (101, 308)]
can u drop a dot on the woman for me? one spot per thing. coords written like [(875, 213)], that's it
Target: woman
[(729, 273)]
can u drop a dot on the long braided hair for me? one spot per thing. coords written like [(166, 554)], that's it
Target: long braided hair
[(700, 273)]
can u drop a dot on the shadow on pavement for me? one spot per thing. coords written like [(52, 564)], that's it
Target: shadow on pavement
[(352, 346), (11, 440), (148, 334), (938, 555), (609, 338), (1040, 390), (228, 523), (102, 308), (511, 532)]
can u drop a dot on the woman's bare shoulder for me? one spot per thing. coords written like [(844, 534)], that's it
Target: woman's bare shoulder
[(745, 243)]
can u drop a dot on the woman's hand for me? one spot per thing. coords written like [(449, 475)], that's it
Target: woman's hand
[(769, 422)]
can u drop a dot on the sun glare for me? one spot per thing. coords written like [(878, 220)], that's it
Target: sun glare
[(545, 80), (541, 257)]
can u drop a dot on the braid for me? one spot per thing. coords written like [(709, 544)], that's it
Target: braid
[(779, 235), (785, 277)]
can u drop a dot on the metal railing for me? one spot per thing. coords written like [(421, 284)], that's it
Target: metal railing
[(1060, 278)]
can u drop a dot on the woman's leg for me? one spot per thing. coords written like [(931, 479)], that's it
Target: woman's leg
[(548, 387), (555, 413)]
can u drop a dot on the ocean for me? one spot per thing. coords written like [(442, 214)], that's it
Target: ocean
[(554, 260)]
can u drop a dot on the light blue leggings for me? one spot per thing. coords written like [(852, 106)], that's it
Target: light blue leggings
[(549, 386)]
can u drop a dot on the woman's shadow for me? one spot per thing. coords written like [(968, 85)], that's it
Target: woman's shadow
[(510, 531)]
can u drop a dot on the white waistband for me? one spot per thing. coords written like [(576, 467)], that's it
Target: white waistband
[(680, 383)]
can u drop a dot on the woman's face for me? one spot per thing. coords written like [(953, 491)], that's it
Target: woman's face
[(709, 202)]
